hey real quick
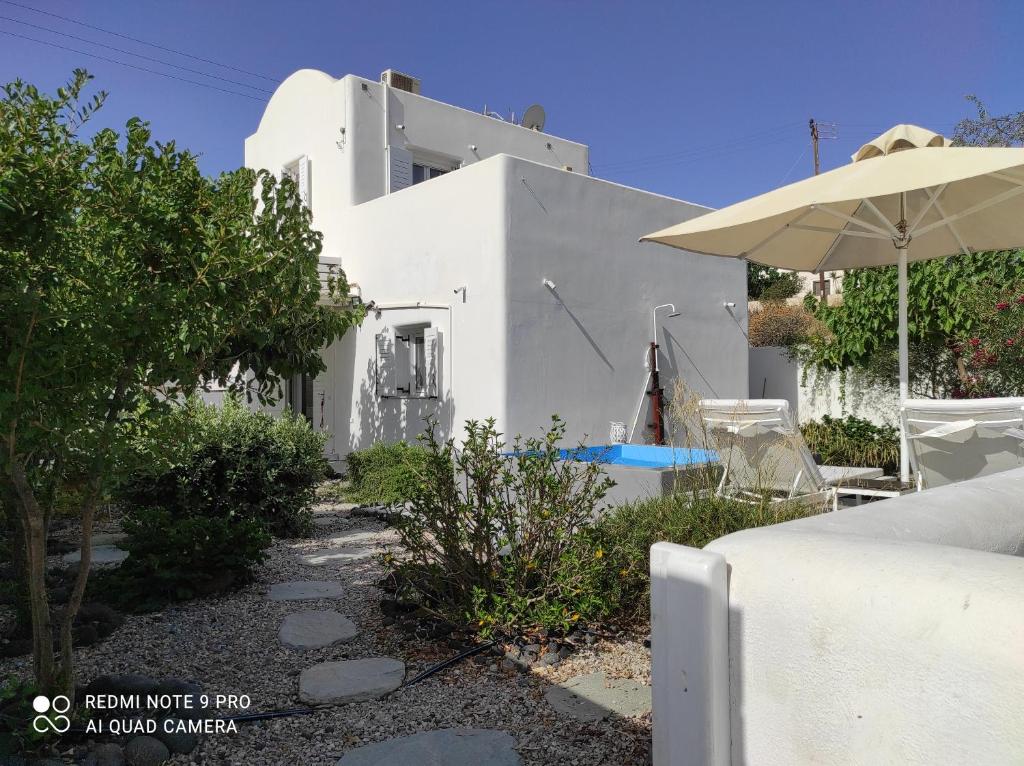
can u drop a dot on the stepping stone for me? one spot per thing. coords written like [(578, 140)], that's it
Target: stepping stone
[(593, 697), (326, 520), (102, 555), (304, 590), (450, 747), (331, 683), (108, 538), (313, 630), (354, 537), (335, 556)]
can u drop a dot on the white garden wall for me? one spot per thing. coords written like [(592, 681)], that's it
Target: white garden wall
[(887, 633), (812, 394)]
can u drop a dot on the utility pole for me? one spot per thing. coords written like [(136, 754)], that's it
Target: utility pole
[(814, 142), (819, 131)]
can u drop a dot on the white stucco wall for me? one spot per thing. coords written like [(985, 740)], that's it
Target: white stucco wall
[(579, 350), (887, 633), (417, 247), (339, 125), (516, 350)]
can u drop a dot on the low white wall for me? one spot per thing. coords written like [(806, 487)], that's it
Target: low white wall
[(890, 633), (774, 375), (826, 393), (812, 394)]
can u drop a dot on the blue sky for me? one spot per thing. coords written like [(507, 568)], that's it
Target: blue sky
[(705, 101)]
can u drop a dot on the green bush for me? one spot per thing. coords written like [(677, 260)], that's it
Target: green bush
[(385, 474), (17, 737), (625, 536), (235, 461), (498, 539), (174, 558), (853, 441)]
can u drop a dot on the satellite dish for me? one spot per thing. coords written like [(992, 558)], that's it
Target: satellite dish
[(534, 118)]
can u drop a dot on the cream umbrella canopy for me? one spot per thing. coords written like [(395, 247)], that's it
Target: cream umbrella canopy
[(907, 195)]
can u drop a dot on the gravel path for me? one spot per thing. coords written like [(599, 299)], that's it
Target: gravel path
[(231, 646)]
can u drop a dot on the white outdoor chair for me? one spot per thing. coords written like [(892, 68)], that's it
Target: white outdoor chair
[(956, 440), (761, 450)]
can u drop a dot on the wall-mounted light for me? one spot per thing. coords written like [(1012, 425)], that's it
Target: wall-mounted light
[(548, 284), (400, 126), (462, 290), (730, 304), (472, 147)]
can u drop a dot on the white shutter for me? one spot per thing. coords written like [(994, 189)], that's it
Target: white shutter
[(303, 181), (399, 168), (432, 350), (385, 363)]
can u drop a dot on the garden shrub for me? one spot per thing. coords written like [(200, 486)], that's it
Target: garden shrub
[(235, 461), (853, 441), (175, 558), (626, 533), (499, 538), (385, 474), (776, 324)]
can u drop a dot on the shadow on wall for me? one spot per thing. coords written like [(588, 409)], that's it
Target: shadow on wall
[(673, 369), (392, 419)]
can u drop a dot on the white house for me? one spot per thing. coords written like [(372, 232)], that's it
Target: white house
[(510, 286)]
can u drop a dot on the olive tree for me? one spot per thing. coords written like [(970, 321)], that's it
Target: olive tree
[(129, 280)]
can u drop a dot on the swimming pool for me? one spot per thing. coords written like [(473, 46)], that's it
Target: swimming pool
[(640, 455)]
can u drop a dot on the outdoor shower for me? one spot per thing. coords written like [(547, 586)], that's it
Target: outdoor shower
[(652, 383)]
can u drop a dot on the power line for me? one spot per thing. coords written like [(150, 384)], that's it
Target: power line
[(795, 163), (132, 66), (669, 157), (720, 150), (139, 55), (137, 40)]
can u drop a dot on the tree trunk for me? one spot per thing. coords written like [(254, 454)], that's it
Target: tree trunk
[(66, 672), (34, 533)]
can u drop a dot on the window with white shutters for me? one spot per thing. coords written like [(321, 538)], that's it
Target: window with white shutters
[(409, 362), (432, 361), (386, 371), (399, 168), (299, 172)]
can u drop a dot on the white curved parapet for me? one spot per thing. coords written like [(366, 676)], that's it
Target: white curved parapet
[(689, 655), (891, 633)]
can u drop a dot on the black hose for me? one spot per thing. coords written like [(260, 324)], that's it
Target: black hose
[(449, 662), (250, 717)]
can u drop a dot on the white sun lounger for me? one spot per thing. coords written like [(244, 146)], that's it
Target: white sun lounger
[(762, 450), (956, 440)]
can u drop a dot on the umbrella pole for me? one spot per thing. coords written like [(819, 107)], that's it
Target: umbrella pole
[(904, 362)]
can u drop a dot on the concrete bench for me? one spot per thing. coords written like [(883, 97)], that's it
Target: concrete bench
[(888, 633)]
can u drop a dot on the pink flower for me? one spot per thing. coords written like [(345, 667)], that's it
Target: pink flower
[(975, 342), (1002, 306), (1009, 342), (1020, 299)]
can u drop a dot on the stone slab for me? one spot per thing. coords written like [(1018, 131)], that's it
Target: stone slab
[(354, 537), (102, 555), (444, 747), (332, 683), (304, 590), (593, 697), (330, 556), (327, 520), (315, 629)]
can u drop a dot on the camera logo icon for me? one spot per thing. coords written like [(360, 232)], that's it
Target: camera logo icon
[(51, 716)]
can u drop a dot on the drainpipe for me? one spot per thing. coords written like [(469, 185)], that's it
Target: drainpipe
[(387, 137)]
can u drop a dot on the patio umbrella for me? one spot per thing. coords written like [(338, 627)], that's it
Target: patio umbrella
[(906, 196)]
